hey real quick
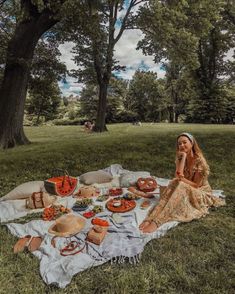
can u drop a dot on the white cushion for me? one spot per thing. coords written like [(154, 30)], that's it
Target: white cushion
[(130, 179), (93, 177), (24, 190), (114, 183)]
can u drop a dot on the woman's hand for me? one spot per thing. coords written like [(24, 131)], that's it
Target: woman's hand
[(179, 175), (181, 155)]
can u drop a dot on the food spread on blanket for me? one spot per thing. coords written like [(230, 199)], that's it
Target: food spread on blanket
[(123, 205), (61, 185), (98, 232), (54, 211), (146, 184), (117, 204), (145, 204), (88, 214), (82, 204), (102, 198), (72, 245), (131, 196), (96, 209), (87, 192), (100, 222), (140, 193), (115, 191)]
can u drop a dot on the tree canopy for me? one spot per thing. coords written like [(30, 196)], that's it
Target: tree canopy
[(195, 37)]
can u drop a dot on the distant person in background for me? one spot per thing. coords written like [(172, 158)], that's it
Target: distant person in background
[(137, 123), (189, 195), (92, 125), (88, 126)]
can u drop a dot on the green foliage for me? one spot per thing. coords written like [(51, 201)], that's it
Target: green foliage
[(194, 37), (176, 27), (179, 90), (89, 101), (217, 107), (117, 92), (146, 96), (44, 94), (8, 14), (43, 100), (69, 122)]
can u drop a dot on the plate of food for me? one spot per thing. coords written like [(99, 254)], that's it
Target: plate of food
[(120, 204), (82, 204), (115, 191), (102, 198), (131, 196)]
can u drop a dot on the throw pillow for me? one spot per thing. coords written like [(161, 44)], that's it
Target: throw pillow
[(93, 177), (24, 190), (130, 179)]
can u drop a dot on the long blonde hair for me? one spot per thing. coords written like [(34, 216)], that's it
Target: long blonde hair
[(197, 152)]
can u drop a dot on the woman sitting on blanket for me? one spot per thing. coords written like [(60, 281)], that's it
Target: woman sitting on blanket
[(188, 196)]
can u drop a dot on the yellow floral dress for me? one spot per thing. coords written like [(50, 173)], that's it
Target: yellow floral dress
[(182, 202)]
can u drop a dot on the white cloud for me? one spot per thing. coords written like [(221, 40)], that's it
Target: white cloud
[(67, 56), (230, 54), (125, 52)]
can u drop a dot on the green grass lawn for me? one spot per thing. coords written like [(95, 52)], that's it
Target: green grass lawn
[(196, 257)]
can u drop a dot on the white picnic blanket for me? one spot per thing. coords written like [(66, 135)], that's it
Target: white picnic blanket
[(123, 242)]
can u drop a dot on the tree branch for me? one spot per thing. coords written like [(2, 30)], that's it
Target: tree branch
[(123, 26), (5, 31), (124, 21)]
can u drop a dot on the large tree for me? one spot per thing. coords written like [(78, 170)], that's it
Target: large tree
[(7, 26), (35, 18), (195, 36), (116, 94), (95, 34)]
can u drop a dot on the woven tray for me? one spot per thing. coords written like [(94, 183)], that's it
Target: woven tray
[(126, 205)]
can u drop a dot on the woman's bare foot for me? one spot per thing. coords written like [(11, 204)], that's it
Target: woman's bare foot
[(150, 228), (144, 224)]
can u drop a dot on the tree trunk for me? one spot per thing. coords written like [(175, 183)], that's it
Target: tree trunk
[(159, 116), (38, 118), (16, 75), (176, 117), (171, 114), (101, 112)]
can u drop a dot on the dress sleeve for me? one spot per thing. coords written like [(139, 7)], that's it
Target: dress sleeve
[(201, 168)]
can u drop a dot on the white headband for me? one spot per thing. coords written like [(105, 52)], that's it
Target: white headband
[(189, 136)]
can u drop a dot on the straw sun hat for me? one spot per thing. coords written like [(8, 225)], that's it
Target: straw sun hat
[(67, 225)]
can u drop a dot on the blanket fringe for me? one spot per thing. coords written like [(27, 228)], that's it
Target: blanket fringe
[(121, 259)]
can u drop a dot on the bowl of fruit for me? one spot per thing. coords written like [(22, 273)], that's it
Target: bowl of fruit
[(82, 204)]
